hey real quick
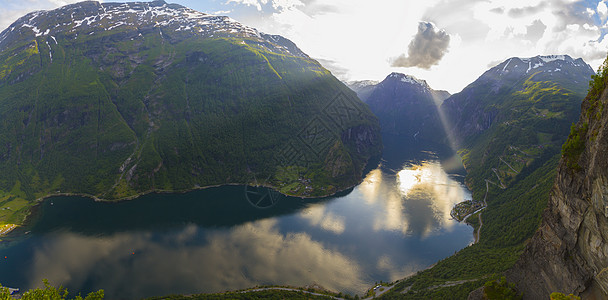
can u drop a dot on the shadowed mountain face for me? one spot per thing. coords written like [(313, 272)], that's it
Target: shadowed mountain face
[(405, 106), (115, 99)]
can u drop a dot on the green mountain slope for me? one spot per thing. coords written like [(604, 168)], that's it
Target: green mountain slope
[(512, 116), (510, 125), (122, 99)]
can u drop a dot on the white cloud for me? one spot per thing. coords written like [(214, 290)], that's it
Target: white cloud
[(255, 3), (356, 39), (602, 9), (360, 37)]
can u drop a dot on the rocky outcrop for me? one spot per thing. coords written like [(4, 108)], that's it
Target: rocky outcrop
[(569, 252)]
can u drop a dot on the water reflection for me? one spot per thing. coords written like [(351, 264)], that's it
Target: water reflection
[(393, 224), (144, 264), (318, 216), (416, 200)]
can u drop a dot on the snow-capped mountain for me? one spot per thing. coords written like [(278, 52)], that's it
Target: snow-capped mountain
[(516, 80), (549, 64), (559, 68), (176, 22)]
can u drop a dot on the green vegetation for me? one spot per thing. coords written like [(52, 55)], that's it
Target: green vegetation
[(465, 208), (500, 289), (114, 117), (575, 145), (560, 296), (512, 165), (598, 81), (264, 292), (49, 293)]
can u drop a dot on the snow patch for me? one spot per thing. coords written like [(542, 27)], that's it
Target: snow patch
[(506, 65), (140, 14), (408, 79), (50, 51), (550, 58)]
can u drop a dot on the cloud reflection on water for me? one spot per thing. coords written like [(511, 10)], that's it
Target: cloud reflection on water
[(416, 201), (318, 216), (248, 255), (390, 226)]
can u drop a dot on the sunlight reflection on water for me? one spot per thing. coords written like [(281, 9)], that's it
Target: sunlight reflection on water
[(393, 224)]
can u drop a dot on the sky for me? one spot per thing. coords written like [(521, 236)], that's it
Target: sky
[(448, 43)]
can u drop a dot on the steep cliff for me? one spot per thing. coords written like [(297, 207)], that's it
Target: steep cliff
[(569, 252)]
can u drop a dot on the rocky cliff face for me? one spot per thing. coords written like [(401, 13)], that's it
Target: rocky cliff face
[(569, 253)]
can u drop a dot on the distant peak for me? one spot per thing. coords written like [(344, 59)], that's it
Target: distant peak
[(407, 79)]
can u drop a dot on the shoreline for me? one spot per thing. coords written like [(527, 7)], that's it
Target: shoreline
[(7, 228), (38, 201)]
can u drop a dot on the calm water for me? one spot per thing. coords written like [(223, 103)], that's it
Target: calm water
[(395, 223)]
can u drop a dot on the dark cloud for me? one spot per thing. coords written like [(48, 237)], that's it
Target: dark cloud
[(526, 11), (535, 31), (426, 49)]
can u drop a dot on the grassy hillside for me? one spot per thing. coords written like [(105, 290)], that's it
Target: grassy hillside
[(131, 110), (511, 165)]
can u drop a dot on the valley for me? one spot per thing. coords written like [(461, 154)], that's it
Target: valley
[(120, 100), (149, 149)]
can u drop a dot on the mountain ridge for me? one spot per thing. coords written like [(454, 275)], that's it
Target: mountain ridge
[(501, 78), (116, 100)]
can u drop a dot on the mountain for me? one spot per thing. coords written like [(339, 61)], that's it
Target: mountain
[(114, 100), (569, 252), (514, 114), (363, 88), (407, 106), (509, 127), (476, 107)]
